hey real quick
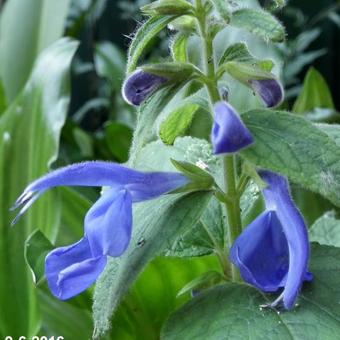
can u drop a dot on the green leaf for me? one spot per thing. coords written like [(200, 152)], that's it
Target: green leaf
[(208, 233), (260, 23), (156, 156), (179, 47), (315, 94), (37, 246), (167, 7), (332, 130), (177, 123), (294, 147), (143, 37), (222, 8), (157, 224), (109, 61), (173, 71), (239, 52), (192, 171), (26, 28), (326, 230), (244, 72), (232, 311), (118, 138), (30, 130)]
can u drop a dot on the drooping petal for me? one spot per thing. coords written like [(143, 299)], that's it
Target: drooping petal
[(72, 269), (108, 223), (277, 197), (228, 134), (97, 173), (140, 85), (261, 253), (269, 90)]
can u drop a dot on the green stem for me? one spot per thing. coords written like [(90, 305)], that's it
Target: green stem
[(232, 206)]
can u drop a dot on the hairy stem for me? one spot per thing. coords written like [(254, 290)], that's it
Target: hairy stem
[(233, 205)]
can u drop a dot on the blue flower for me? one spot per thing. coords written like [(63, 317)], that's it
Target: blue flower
[(273, 251), (269, 90), (107, 225), (229, 134), (140, 85)]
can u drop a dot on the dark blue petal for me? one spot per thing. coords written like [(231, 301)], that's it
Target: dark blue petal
[(156, 184), (140, 85), (261, 253), (269, 90), (108, 223), (228, 134), (142, 185), (277, 197), (72, 269)]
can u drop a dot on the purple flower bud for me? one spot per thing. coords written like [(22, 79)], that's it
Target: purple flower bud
[(273, 251), (140, 85), (228, 134), (269, 90)]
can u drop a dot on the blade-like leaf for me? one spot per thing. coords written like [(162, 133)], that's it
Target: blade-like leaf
[(30, 128), (177, 123), (232, 311), (143, 37), (294, 147), (315, 94), (179, 47), (156, 226), (26, 28)]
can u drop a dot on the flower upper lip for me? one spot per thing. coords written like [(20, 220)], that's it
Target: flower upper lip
[(107, 225), (273, 251)]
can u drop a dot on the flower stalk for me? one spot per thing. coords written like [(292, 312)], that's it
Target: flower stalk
[(232, 205)]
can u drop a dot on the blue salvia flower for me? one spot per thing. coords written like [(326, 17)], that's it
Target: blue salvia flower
[(269, 90), (140, 85), (273, 251), (107, 226), (228, 134)]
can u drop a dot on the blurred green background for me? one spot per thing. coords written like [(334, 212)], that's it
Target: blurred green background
[(60, 103)]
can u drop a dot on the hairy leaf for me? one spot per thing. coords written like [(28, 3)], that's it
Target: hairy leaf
[(294, 147), (179, 47), (326, 230), (260, 23), (232, 311), (143, 37), (156, 225)]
